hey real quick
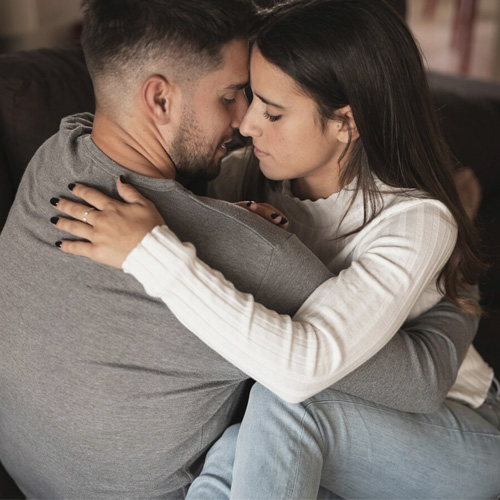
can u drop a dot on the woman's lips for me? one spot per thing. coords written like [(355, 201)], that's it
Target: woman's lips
[(259, 153)]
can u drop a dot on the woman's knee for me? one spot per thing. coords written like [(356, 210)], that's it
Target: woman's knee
[(224, 447), (269, 414), (260, 396)]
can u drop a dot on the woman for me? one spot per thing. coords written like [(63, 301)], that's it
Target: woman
[(342, 116)]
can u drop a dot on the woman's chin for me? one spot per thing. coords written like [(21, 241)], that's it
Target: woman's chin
[(270, 173)]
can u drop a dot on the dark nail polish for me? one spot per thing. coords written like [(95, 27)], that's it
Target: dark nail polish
[(54, 201), (250, 203), (71, 186), (123, 180), (283, 221), (274, 216), (54, 220), (58, 244)]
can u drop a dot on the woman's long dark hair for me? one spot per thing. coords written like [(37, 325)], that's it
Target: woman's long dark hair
[(361, 53)]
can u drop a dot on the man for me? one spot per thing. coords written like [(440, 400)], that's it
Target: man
[(104, 393)]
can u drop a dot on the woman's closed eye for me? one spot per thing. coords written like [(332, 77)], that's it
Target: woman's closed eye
[(271, 118)]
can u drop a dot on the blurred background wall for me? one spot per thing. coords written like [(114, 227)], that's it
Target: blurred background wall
[(30, 24), (456, 36)]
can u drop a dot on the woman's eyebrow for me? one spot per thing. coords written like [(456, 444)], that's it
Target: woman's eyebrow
[(269, 103)]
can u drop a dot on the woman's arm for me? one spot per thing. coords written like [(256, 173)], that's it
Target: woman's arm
[(297, 358), (300, 357)]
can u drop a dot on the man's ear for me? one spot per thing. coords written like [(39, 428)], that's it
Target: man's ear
[(346, 126), (157, 96)]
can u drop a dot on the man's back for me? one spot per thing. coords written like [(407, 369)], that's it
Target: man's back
[(104, 393)]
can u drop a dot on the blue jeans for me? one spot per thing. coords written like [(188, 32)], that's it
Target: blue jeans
[(354, 449)]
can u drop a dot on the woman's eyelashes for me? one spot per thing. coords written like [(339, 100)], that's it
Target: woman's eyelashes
[(271, 118)]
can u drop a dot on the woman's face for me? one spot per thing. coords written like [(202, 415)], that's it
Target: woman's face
[(287, 134)]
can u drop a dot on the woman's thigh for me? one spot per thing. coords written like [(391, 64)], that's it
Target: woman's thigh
[(371, 450), (358, 449)]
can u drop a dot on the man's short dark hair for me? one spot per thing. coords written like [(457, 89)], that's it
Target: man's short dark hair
[(120, 34)]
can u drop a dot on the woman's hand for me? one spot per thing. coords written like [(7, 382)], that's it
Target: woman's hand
[(266, 211), (112, 228)]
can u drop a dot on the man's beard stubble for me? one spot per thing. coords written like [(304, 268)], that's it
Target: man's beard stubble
[(192, 154)]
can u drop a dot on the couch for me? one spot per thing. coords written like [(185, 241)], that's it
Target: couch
[(38, 88)]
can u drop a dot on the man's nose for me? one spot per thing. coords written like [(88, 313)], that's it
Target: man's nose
[(241, 107)]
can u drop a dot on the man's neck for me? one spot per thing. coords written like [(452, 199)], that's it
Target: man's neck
[(136, 150)]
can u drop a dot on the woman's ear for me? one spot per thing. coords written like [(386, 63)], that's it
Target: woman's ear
[(346, 126), (157, 94)]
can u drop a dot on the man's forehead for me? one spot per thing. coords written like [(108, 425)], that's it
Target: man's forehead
[(236, 51), (234, 73), (236, 60)]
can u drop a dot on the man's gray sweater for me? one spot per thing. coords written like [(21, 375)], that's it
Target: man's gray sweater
[(104, 394)]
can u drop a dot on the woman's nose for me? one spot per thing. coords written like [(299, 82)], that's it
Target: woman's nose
[(248, 126)]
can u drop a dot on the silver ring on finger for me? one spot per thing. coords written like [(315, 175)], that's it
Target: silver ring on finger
[(86, 213)]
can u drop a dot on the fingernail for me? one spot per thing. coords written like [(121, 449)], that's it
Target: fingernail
[(250, 203), (54, 201), (58, 244), (123, 180), (274, 216), (71, 186), (283, 221), (54, 220)]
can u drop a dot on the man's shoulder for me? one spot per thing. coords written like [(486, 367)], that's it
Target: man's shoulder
[(70, 128), (246, 221), (231, 221), (62, 150), (257, 256)]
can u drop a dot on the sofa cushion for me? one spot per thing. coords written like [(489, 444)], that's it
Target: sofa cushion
[(6, 189), (489, 228), (487, 341), (471, 126), (37, 88), (469, 111)]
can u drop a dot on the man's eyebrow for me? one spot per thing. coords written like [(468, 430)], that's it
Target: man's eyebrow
[(237, 86), (269, 103)]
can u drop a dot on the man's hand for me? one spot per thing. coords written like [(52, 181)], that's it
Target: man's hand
[(111, 228)]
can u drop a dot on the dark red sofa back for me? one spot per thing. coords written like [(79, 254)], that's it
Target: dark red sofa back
[(37, 89)]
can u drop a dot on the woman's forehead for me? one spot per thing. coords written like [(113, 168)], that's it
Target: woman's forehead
[(271, 84)]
